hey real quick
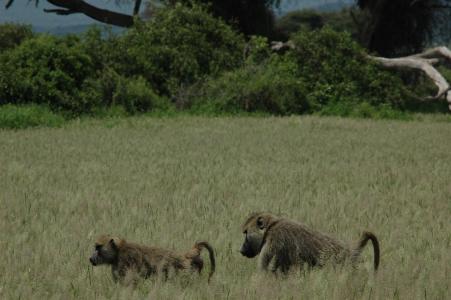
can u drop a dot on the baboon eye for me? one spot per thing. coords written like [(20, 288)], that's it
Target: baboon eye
[(245, 232), (260, 224)]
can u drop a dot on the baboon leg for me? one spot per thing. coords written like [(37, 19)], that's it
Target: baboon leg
[(198, 264), (281, 264), (165, 273), (266, 257)]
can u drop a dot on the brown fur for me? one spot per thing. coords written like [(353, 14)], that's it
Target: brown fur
[(286, 243), (130, 259)]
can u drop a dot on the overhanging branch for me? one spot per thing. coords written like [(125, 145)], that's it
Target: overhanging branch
[(68, 7)]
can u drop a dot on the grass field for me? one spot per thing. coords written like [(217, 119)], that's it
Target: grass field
[(169, 182)]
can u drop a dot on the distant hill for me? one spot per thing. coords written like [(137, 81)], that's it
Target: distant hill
[(72, 29), (321, 5)]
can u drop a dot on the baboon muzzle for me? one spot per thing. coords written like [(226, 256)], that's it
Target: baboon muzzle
[(93, 261), (247, 251)]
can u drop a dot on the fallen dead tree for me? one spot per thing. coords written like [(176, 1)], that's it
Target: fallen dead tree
[(425, 62)]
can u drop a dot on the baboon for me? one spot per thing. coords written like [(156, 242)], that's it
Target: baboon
[(130, 259), (284, 243)]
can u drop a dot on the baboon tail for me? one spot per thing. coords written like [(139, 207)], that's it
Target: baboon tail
[(364, 240), (206, 245)]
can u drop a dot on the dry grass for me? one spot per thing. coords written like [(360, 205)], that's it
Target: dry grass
[(171, 182)]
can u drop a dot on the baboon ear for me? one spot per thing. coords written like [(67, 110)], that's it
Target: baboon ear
[(113, 244), (260, 223)]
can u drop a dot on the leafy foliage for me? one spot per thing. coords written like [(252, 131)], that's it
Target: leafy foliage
[(45, 70), (250, 17), (185, 58), (12, 35), (178, 47), (337, 70), (136, 95), (310, 79), (271, 86)]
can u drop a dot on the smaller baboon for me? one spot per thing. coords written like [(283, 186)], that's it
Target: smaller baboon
[(130, 259), (285, 243)]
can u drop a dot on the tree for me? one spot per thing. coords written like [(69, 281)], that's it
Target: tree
[(12, 35), (251, 17), (402, 27)]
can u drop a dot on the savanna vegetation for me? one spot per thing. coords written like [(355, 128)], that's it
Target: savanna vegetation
[(193, 58), (225, 137), (170, 182)]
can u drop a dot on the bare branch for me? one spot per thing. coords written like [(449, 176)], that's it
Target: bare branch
[(62, 12), (9, 3), (435, 52), (278, 46), (101, 15), (423, 61)]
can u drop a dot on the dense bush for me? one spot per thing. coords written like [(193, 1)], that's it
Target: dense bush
[(12, 35), (17, 117), (45, 70), (179, 46), (338, 70), (251, 17), (136, 95), (272, 86), (186, 58), (140, 70), (326, 73)]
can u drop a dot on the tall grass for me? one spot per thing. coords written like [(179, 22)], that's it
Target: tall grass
[(169, 182), (25, 116)]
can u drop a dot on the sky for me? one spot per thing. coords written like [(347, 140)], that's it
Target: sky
[(23, 11)]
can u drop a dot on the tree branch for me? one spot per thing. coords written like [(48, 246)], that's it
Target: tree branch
[(102, 15), (423, 61), (9, 3)]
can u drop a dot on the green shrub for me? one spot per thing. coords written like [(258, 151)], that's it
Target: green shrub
[(136, 95), (269, 87), (327, 73), (46, 70), (257, 50), (102, 46), (338, 70), (17, 117), (177, 47), (12, 35), (110, 89)]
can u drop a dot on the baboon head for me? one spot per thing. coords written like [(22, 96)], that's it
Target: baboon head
[(254, 230), (106, 250)]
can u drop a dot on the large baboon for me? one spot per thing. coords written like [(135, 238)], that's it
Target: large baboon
[(130, 259), (284, 243)]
